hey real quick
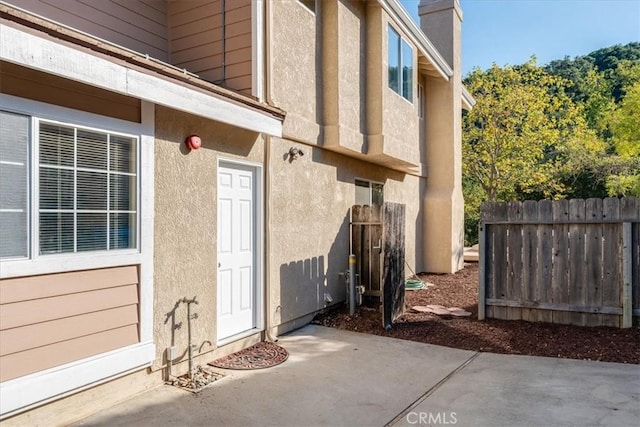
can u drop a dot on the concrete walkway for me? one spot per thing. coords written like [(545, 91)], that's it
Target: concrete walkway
[(339, 378)]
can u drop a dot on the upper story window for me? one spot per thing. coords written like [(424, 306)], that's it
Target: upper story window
[(73, 188), (309, 4), (369, 193), (400, 63)]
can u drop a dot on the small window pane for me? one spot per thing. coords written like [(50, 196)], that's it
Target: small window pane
[(13, 233), (14, 138), (123, 190), (123, 154), (92, 150), (122, 232), (92, 190), (56, 145), (92, 232), (14, 185), (394, 59), (362, 193), (56, 233), (407, 71), (377, 194), (56, 188)]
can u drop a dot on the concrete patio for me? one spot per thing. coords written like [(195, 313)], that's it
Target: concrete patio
[(339, 378)]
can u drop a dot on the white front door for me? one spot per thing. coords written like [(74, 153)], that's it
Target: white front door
[(237, 261)]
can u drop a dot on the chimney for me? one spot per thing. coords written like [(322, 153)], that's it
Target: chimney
[(441, 21), (443, 226)]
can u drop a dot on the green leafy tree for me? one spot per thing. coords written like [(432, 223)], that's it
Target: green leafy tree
[(511, 137), (569, 129), (624, 123)]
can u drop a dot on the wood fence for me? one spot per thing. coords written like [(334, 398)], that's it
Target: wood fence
[(378, 240), (565, 261)]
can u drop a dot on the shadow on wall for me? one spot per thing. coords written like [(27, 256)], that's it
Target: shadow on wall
[(312, 284)]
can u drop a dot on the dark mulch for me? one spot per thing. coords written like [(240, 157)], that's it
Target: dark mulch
[(494, 336)]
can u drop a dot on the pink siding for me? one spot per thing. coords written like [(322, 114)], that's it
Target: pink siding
[(195, 33), (50, 320), (139, 25)]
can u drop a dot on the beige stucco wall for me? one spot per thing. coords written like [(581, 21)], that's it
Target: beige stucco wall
[(329, 73), (308, 223), (310, 206), (400, 122), (443, 236), (351, 74), (310, 197), (185, 254), (293, 63)]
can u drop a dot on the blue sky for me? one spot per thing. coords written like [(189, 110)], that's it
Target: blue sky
[(511, 31)]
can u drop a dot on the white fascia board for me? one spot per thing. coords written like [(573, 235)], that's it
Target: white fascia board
[(468, 101), (402, 18), (35, 52)]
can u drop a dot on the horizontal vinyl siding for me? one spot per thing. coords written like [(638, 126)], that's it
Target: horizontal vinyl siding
[(138, 25), (195, 30), (19, 364), (47, 321), (37, 335), (38, 86)]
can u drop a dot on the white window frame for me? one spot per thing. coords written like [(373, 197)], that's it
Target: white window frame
[(71, 261), (398, 48), (35, 242), (370, 182), (22, 393)]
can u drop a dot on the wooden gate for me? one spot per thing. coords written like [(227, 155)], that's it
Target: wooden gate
[(377, 240)]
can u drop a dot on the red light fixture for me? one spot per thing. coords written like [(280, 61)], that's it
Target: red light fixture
[(193, 142)]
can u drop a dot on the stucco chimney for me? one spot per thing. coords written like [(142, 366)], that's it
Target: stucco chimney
[(441, 21)]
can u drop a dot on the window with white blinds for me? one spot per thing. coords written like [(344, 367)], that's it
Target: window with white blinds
[(14, 185), (87, 190), (84, 188)]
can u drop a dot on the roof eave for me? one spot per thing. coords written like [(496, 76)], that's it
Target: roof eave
[(468, 101), (127, 72)]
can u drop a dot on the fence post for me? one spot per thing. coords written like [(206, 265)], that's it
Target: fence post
[(481, 271), (627, 313)]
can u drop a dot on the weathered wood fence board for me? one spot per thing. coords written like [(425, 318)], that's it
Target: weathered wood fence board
[(394, 260), (566, 261), (378, 241)]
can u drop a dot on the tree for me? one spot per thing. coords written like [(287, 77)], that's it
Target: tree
[(570, 129), (624, 123), (511, 137)]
